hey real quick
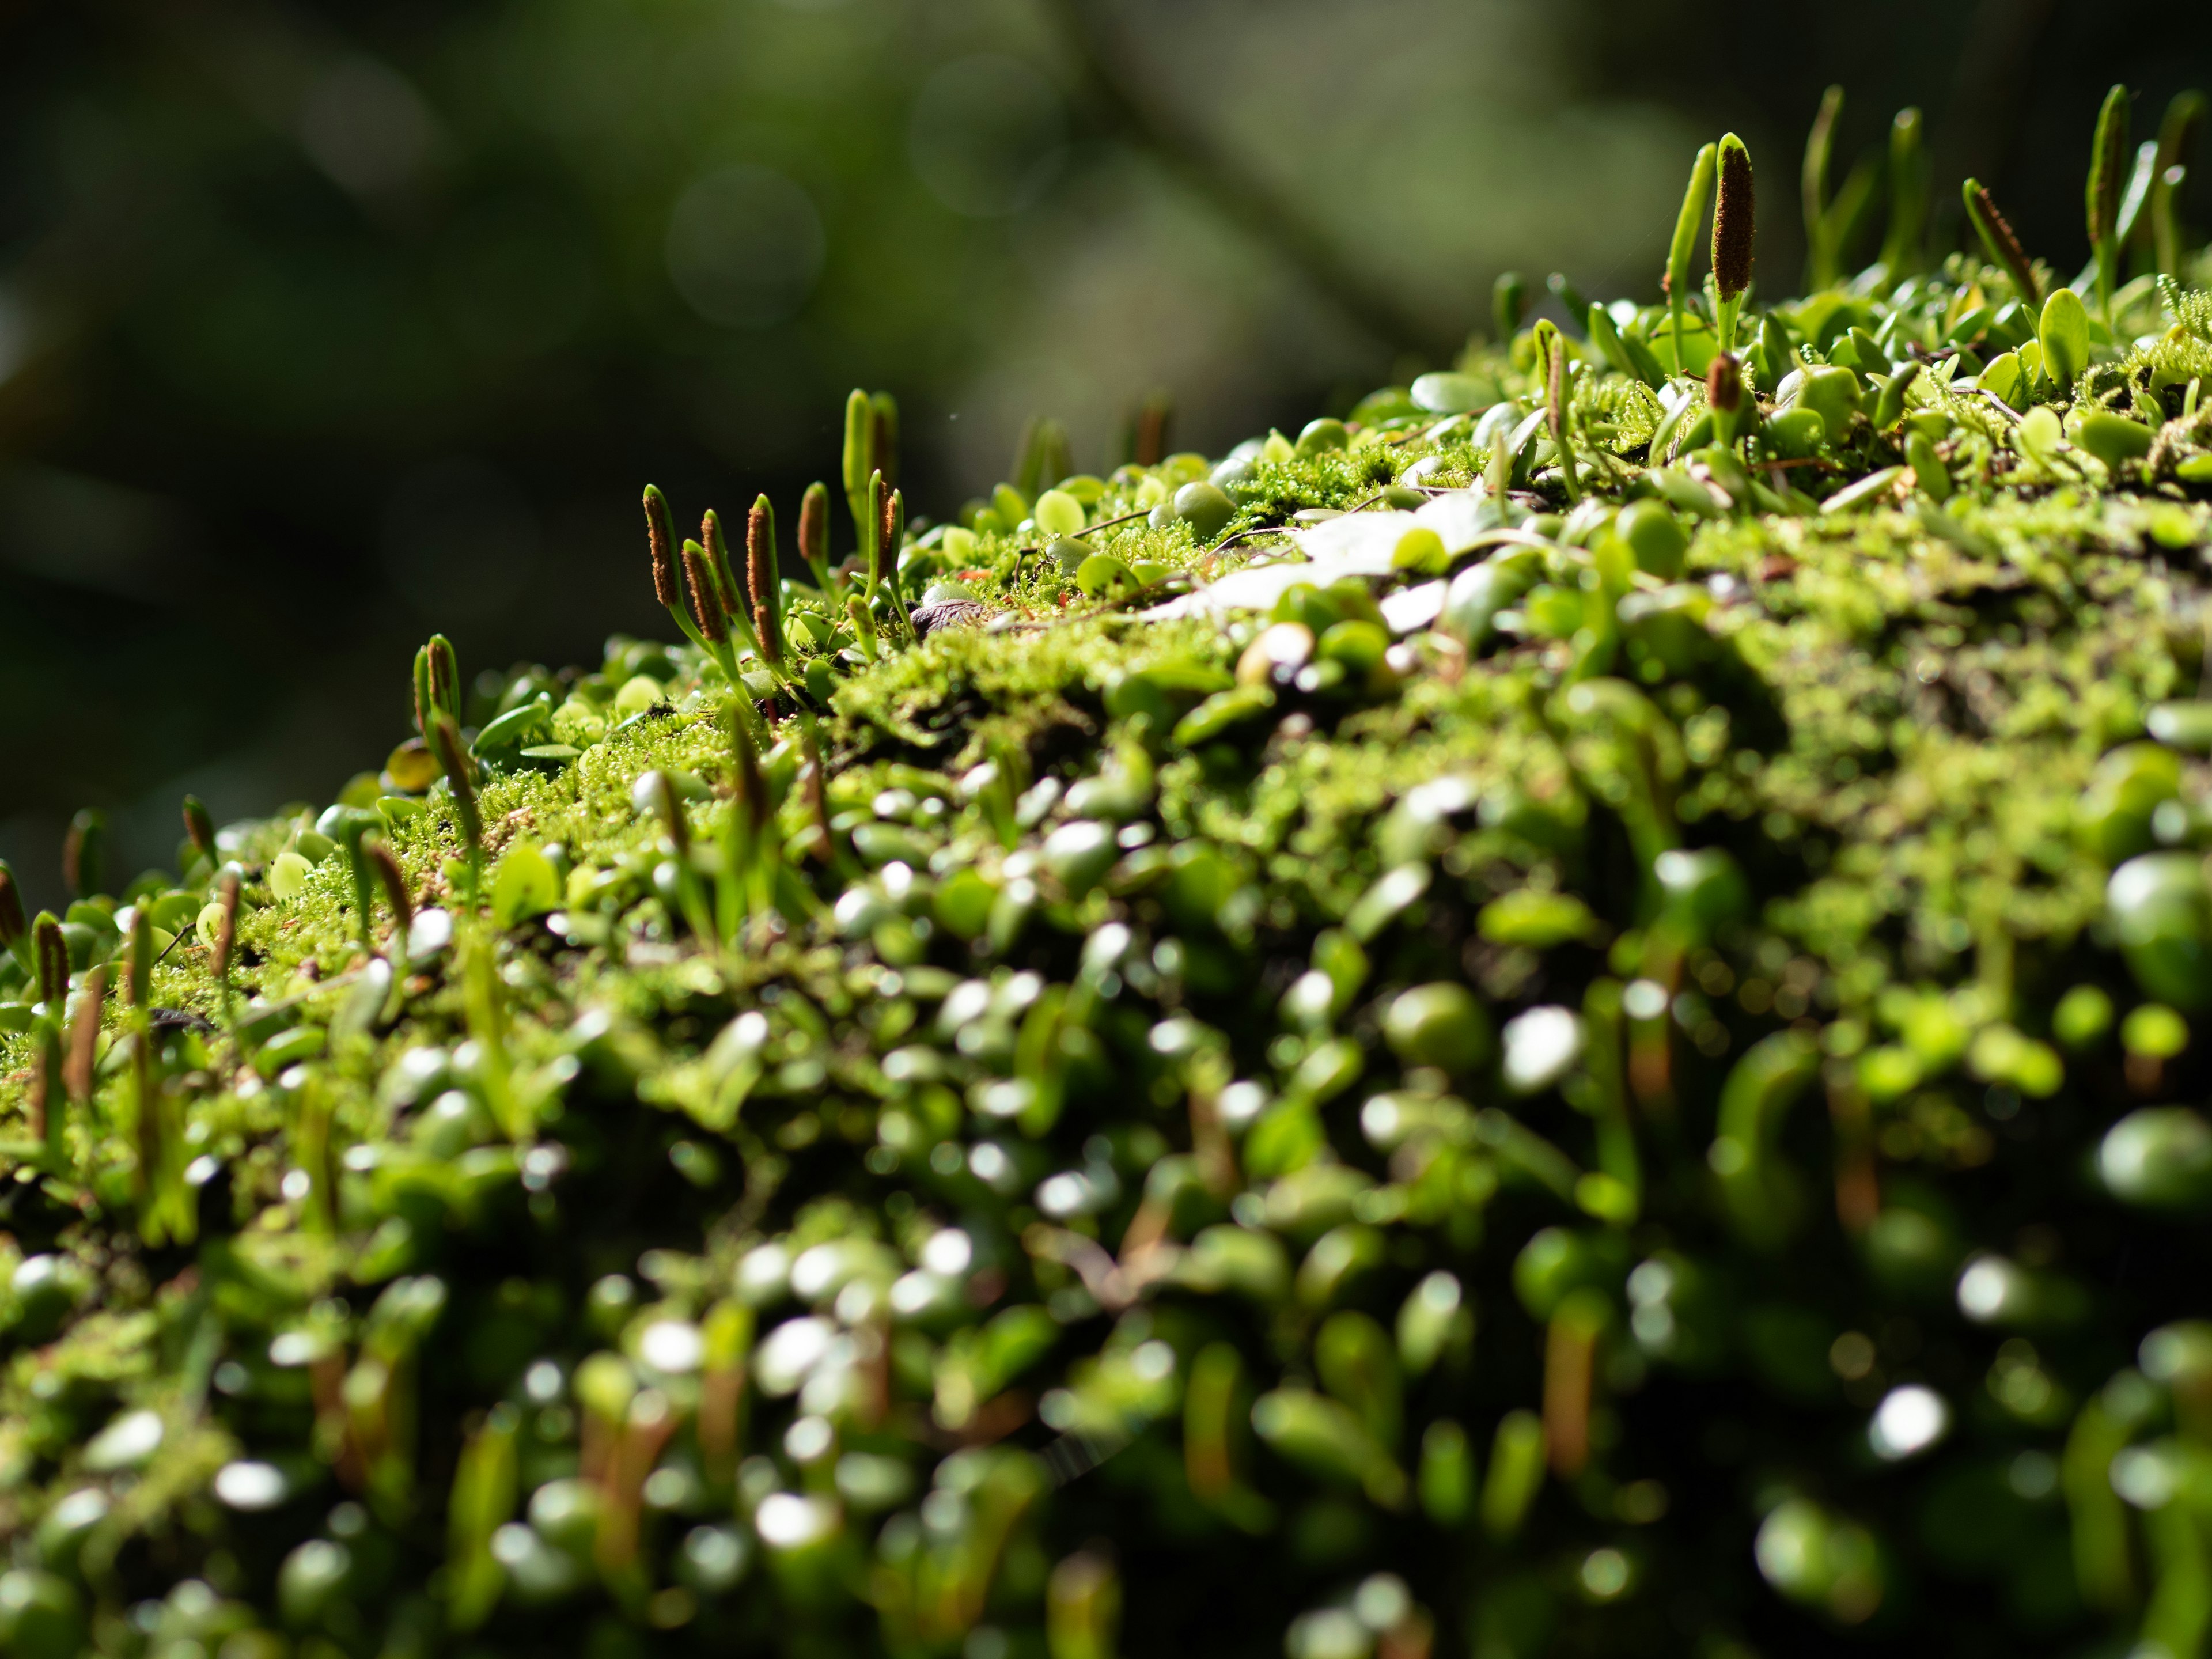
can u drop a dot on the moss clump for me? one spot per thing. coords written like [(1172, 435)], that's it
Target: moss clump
[(1590, 1070)]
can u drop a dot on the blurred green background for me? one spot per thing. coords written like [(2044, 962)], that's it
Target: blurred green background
[(322, 325)]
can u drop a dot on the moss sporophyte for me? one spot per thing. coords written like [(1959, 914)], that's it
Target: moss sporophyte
[(1555, 1016)]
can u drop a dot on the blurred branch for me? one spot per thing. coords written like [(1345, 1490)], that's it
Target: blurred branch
[(1122, 103)]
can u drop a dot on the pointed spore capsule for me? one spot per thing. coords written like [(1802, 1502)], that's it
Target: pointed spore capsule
[(718, 562), (814, 533), (1733, 219), (1998, 240), (762, 580), (706, 613), (660, 537)]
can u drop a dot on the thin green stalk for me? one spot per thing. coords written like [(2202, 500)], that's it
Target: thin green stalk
[(1999, 242), (1552, 353), (1685, 245)]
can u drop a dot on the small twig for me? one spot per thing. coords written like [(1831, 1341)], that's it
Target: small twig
[(2010, 413)]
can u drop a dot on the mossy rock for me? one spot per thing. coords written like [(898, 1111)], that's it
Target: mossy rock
[(1433, 1066)]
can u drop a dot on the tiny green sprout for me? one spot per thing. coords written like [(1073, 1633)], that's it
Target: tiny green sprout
[(864, 625), (1819, 144), (1908, 196), (1683, 248), (1999, 242), (814, 535), (199, 826), (437, 684), (893, 533), (84, 854), (1508, 304), (762, 583), (872, 536), (2108, 161), (1734, 220)]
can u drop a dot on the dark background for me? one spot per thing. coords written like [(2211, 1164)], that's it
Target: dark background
[(322, 325)]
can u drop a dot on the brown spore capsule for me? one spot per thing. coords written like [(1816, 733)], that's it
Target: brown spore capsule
[(706, 607), (1733, 222), (660, 535)]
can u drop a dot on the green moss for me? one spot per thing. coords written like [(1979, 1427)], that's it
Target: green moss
[(1044, 1047)]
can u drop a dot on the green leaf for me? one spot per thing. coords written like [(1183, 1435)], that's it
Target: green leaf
[(525, 885), (2064, 332)]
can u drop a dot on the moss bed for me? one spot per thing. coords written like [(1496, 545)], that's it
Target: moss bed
[(1598, 1067)]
